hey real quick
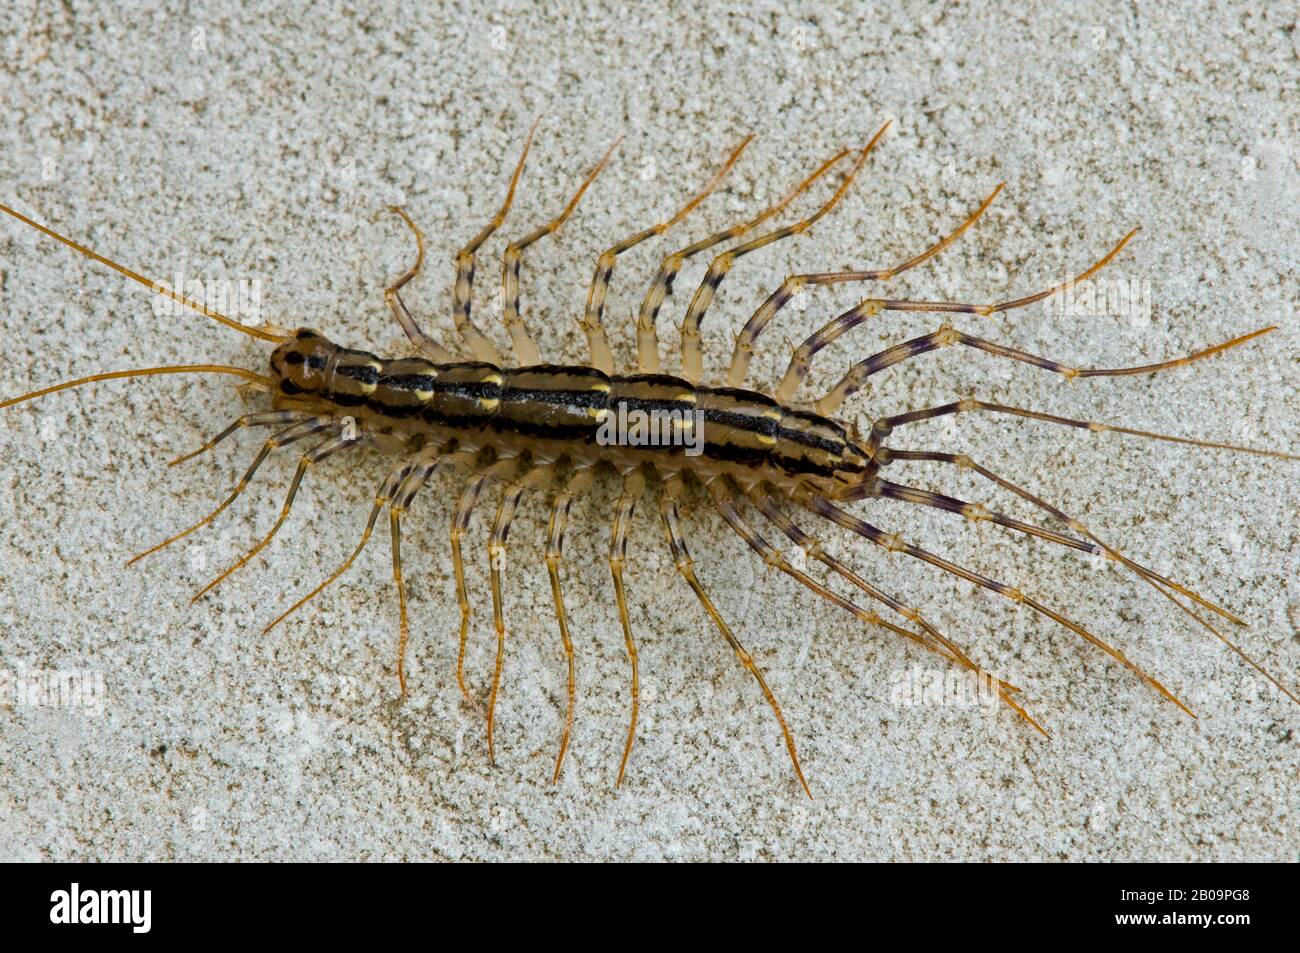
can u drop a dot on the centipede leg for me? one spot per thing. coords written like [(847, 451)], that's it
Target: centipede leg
[(692, 355), (929, 638), (302, 431), (894, 543), (668, 510), (405, 320), (794, 284), (502, 469), (1163, 585), (309, 459), (463, 291), (526, 352), (270, 418), (578, 484), (533, 479), (624, 508), (602, 358)]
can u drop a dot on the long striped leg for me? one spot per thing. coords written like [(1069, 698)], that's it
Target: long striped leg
[(662, 287), (692, 353), (724, 500), (884, 426), (800, 361), (602, 358), (534, 479), (895, 544), (778, 299), (269, 418), (624, 508), (308, 428), (1158, 582), (401, 313), (668, 510), (501, 470), (929, 637), (482, 348), (857, 375), (578, 484), (416, 475), (309, 459), (526, 352)]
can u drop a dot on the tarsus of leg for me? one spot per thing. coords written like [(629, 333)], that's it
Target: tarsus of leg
[(270, 418), (138, 372), (662, 287), (893, 543), (309, 459), (387, 492), (1158, 582), (308, 428), (463, 291), (602, 358), (668, 510), (460, 519), (624, 507), (946, 335), (536, 478), (794, 284), (929, 638), (526, 352), (692, 353), (405, 320), (269, 333), (578, 484)]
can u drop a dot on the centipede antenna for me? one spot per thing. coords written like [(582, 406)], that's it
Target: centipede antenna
[(140, 372), (149, 283)]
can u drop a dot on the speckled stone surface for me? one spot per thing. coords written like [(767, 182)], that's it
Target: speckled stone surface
[(260, 141)]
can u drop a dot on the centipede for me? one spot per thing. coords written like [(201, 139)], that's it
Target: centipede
[(781, 470)]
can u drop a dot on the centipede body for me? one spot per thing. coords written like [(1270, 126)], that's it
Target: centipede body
[(769, 463)]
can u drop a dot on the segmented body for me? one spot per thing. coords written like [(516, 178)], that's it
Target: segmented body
[(526, 426)]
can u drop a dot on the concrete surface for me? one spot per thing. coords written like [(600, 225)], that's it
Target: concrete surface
[(261, 142)]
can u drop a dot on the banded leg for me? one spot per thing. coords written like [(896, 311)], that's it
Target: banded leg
[(578, 484), (668, 510), (322, 451), (405, 320), (930, 637), (886, 425), (412, 481), (526, 352), (864, 310), (602, 358), (308, 428), (778, 299), (501, 470), (482, 348), (1166, 587), (270, 418), (857, 375), (894, 544), (534, 479), (692, 353), (624, 509), (724, 500), (662, 288)]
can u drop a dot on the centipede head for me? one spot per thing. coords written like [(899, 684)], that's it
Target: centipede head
[(298, 366)]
